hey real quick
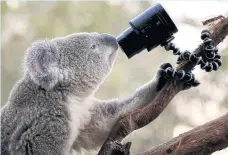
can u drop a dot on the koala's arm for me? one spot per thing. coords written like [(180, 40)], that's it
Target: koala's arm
[(146, 93), (105, 113), (140, 98)]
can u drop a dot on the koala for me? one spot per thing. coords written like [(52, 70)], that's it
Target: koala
[(52, 110)]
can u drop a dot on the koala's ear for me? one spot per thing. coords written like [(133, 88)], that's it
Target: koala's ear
[(42, 63)]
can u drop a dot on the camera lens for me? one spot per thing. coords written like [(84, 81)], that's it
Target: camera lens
[(130, 41), (148, 30)]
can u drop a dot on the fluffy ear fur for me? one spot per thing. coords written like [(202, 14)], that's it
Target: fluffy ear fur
[(42, 63)]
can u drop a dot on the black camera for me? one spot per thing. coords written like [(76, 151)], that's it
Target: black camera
[(149, 29)]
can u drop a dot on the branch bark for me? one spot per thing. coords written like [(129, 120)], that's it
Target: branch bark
[(144, 116), (202, 140)]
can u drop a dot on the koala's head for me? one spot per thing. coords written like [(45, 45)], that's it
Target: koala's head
[(81, 59)]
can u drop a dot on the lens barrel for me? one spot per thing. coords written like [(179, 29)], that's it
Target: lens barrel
[(148, 30)]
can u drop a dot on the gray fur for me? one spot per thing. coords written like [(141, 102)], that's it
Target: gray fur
[(52, 110)]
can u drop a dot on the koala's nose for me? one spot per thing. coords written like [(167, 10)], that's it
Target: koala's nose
[(110, 40)]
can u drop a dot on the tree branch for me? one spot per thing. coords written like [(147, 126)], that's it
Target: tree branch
[(144, 116), (202, 140)]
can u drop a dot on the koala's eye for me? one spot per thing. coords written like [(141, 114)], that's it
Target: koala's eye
[(93, 47)]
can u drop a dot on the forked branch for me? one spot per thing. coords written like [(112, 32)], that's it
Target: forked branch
[(142, 117)]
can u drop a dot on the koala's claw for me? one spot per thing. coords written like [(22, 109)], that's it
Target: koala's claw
[(165, 65), (169, 71)]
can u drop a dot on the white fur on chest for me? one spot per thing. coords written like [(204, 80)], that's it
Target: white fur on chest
[(79, 117)]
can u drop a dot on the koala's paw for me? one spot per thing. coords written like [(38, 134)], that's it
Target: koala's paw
[(167, 73)]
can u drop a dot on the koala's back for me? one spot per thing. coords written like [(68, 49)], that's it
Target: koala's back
[(31, 118), (10, 118), (8, 125)]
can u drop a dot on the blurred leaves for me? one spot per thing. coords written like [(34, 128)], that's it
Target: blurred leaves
[(24, 22)]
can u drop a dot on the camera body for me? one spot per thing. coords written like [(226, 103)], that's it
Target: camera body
[(149, 29)]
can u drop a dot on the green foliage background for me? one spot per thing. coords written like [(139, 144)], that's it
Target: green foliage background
[(25, 22)]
